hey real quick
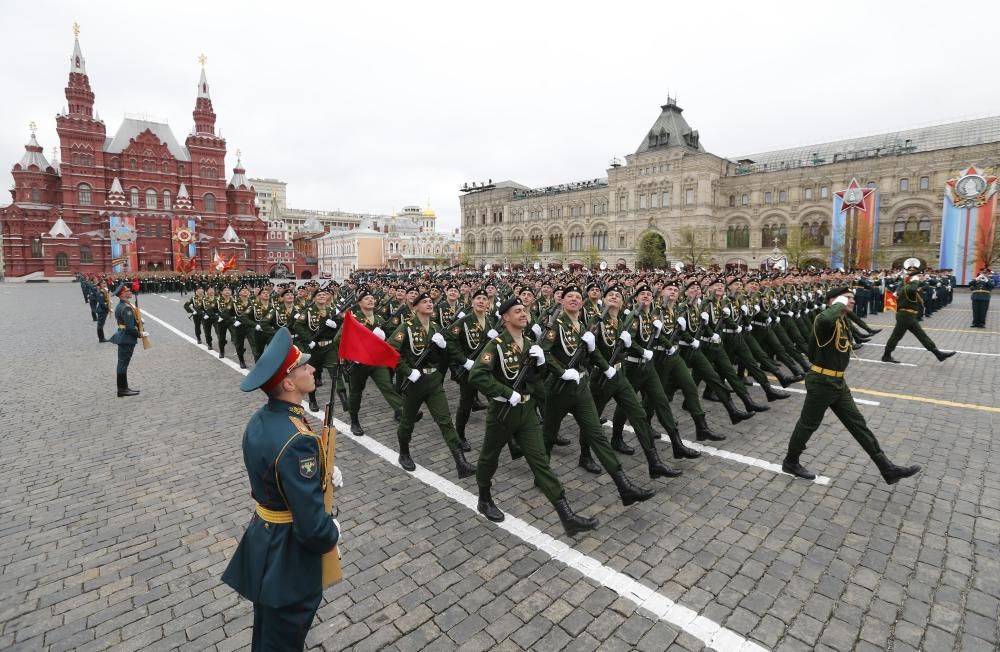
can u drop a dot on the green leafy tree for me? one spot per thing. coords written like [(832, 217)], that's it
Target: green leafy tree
[(800, 248), (651, 252), (691, 249), (592, 255), (526, 253)]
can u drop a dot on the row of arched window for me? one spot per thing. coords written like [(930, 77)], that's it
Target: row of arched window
[(151, 200), (576, 241)]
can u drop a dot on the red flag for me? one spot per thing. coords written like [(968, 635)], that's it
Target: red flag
[(361, 345), (890, 301), (231, 263), (135, 285)]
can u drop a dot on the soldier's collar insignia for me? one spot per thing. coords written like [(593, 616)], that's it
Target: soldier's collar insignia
[(295, 409), (308, 467)]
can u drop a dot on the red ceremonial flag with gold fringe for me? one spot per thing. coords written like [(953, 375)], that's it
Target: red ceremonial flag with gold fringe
[(359, 344), (890, 301)]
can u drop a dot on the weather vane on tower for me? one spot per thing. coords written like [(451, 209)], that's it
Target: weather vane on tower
[(33, 127), (202, 59), (76, 29)]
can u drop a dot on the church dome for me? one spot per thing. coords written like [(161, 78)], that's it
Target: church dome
[(429, 213)]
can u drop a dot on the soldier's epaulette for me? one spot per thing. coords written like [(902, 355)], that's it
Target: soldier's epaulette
[(498, 339), (301, 426)]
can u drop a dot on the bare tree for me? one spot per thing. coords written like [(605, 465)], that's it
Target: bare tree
[(691, 249)]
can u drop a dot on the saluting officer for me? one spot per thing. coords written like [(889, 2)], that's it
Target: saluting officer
[(980, 288), (909, 304)]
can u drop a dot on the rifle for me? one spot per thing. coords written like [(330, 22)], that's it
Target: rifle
[(617, 353), (582, 347), (526, 367), (419, 362), (138, 322), (332, 572)]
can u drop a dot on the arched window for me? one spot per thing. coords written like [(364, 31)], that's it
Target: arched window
[(166, 200), (924, 227), (150, 198), (898, 232), (62, 262), (85, 255), (556, 242), (147, 166), (36, 247), (36, 195), (209, 202), (536, 242), (134, 197)]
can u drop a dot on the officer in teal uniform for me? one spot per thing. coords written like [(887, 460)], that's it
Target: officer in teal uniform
[(278, 564), (127, 336)]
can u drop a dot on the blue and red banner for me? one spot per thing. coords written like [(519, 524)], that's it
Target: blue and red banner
[(854, 235), (184, 238), (968, 223), (124, 255)]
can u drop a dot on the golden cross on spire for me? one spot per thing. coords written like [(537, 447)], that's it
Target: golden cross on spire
[(33, 127), (76, 29), (239, 155), (202, 59)]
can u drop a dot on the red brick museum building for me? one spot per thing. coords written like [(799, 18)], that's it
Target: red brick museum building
[(138, 193)]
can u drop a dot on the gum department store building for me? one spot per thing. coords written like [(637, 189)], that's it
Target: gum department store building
[(737, 207)]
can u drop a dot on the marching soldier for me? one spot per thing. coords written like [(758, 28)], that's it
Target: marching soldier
[(908, 306), (826, 388), (278, 563), (980, 289), (260, 317), (195, 310), (316, 329), (242, 323), (465, 340), (225, 316), (494, 373), (209, 315)]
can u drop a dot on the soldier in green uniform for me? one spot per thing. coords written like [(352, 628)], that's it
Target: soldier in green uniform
[(278, 563), (196, 312), (242, 323), (568, 390), (466, 335), (493, 373), (225, 315), (830, 351), (420, 376), (980, 289), (260, 317), (316, 329), (908, 306)]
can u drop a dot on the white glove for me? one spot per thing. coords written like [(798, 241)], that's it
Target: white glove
[(842, 299), (726, 311), (207, 317), (468, 364), (460, 315), (658, 324), (744, 309), (336, 524), (297, 315), (672, 350), (571, 374), (822, 306), (536, 352), (749, 327), (682, 324), (626, 339), (610, 372), (704, 317), (236, 324), (647, 355), (220, 320), (777, 319), (379, 333), (798, 314), (145, 335), (739, 329), (515, 398), (491, 333), (331, 323), (338, 477), (258, 328), (696, 343), (769, 320), (312, 345), (782, 302), (537, 330), (414, 375), (716, 338), (756, 308), (627, 312), (438, 339), (590, 341)]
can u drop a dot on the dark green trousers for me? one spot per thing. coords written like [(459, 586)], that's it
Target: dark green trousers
[(720, 361), (675, 375), (702, 370), (466, 397), (979, 309), (822, 393), (780, 331), (792, 331), (521, 426), (764, 361), (906, 321), (772, 345), (644, 380), (740, 354), (577, 400), (360, 373), (284, 628), (627, 403), (429, 391)]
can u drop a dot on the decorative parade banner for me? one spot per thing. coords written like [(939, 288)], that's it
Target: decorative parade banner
[(184, 239), (124, 257), (855, 227), (967, 226)]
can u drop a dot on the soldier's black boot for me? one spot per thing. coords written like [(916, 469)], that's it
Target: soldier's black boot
[(784, 380), (100, 335), (750, 406), (657, 469), (702, 431), (123, 389), (313, 405), (461, 465), (405, 460), (243, 364), (681, 452), (735, 415), (222, 349), (791, 465), (478, 405), (562, 441), (487, 507), (772, 393), (572, 523), (887, 357), (618, 441), (943, 355), (630, 494), (587, 462), (356, 428), (709, 395), (892, 473), (129, 387)]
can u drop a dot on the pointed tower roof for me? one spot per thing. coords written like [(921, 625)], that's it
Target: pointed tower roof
[(204, 116), (33, 155), (203, 85), (670, 130), (230, 235), (77, 63), (60, 229), (239, 174), (183, 201), (116, 195)]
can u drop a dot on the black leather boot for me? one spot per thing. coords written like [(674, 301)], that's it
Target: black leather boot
[(100, 335), (477, 405), (405, 460), (735, 415), (887, 357), (791, 465), (943, 355), (562, 441), (628, 493), (222, 349), (657, 469), (356, 428), (772, 393), (463, 443), (618, 443), (784, 380), (463, 468), (487, 507), (702, 431), (134, 390), (123, 389), (587, 462), (892, 473), (243, 364), (751, 406), (709, 395), (572, 523), (681, 452), (313, 405)]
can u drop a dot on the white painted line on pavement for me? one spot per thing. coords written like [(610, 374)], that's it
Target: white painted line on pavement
[(796, 390), (735, 457), (711, 633), (175, 300), (920, 348), (900, 364)]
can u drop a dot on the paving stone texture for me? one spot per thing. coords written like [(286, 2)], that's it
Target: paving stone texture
[(118, 516)]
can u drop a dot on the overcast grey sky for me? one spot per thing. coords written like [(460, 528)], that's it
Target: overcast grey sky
[(371, 106)]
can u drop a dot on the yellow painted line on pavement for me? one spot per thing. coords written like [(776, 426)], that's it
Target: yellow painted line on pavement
[(926, 399)]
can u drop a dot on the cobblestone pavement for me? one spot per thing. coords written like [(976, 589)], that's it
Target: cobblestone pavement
[(118, 515)]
